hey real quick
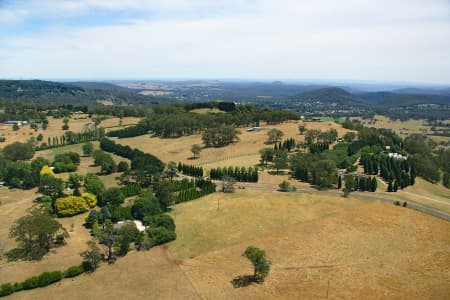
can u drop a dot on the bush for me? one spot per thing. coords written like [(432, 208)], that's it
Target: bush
[(91, 199), (122, 166), (6, 289), (47, 278), (161, 235), (30, 283), (74, 271), (162, 220), (70, 206)]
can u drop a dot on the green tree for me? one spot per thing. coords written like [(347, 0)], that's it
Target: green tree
[(312, 135), (35, 234), (122, 166), (196, 149), (51, 186), (94, 185), (88, 148), (92, 256), (301, 129), (112, 196), (19, 151), (261, 265), (324, 173), (274, 135), (266, 155), (107, 237), (165, 194), (145, 205), (228, 184), (280, 160), (171, 170)]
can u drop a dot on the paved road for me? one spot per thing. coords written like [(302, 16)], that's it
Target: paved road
[(361, 195)]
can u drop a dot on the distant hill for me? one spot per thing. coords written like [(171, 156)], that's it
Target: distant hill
[(332, 95), (391, 99), (81, 93), (423, 91)]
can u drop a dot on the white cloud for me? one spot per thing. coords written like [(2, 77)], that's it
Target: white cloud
[(383, 40)]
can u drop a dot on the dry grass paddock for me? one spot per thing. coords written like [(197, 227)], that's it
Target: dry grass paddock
[(319, 246), (404, 128), (15, 205), (54, 128), (243, 153)]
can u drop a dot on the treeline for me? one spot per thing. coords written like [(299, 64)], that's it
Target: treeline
[(131, 189), (190, 170), (223, 106), (317, 168), (318, 147), (359, 183), (195, 189), (139, 159), (397, 171), (175, 121), (70, 138), (242, 174), (130, 131), (288, 145)]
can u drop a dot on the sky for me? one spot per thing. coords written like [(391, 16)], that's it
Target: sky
[(362, 40)]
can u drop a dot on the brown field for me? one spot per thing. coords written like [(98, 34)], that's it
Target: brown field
[(14, 205), (346, 248), (404, 128), (243, 153), (422, 192), (54, 128)]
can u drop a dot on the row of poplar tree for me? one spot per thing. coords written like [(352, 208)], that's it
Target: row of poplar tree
[(193, 189), (396, 171), (190, 170), (242, 174)]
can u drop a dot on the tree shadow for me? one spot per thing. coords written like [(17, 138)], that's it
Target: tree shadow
[(246, 280), (193, 158)]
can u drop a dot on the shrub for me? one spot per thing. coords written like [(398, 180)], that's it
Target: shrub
[(91, 199), (161, 235), (46, 170), (70, 206), (122, 166), (74, 271), (30, 283), (47, 278), (6, 289), (162, 220)]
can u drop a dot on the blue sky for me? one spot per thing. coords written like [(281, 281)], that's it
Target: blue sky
[(383, 40)]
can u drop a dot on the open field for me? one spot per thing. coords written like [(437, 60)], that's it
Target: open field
[(245, 215), (371, 251), (404, 128), (318, 245), (14, 205), (243, 153), (139, 275), (422, 192), (54, 128)]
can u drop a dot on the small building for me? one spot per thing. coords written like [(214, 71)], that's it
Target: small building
[(139, 225), (316, 119), (11, 123), (255, 128), (397, 156)]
